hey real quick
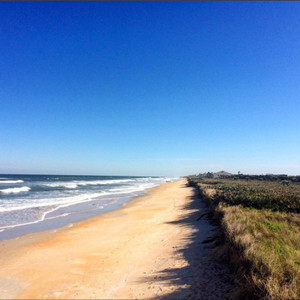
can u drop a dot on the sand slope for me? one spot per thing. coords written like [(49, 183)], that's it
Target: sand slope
[(149, 248)]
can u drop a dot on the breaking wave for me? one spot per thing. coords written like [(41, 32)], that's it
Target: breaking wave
[(15, 190)]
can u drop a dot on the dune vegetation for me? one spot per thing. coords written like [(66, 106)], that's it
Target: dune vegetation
[(260, 232)]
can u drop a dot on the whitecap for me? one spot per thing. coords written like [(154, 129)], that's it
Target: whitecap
[(70, 185), (15, 190), (76, 183), (11, 181)]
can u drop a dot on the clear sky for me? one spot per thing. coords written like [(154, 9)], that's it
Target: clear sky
[(149, 88)]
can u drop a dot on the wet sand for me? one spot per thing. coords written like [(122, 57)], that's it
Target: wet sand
[(150, 248)]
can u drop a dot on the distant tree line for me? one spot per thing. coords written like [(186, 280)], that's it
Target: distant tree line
[(285, 179), (269, 177)]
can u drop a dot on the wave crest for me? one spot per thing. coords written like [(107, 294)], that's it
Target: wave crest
[(11, 181), (76, 183), (15, 190)]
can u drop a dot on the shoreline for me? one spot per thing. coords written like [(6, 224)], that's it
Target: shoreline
[(18, 230), (50, 231), (123, 253)]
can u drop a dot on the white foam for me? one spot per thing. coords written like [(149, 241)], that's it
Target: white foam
[(11, 181), (76, 183), (113, 181), (70, 185), (43, 216), (61, 202), (132, 189), (15, 190), (138, 185), (27, 223), (66, 201), (55, 217)]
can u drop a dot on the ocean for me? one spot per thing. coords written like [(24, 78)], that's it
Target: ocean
[(30, 203)]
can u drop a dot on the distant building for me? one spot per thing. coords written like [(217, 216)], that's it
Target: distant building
[(221, 174)]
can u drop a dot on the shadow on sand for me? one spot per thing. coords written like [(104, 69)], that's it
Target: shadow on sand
[(202, 277)]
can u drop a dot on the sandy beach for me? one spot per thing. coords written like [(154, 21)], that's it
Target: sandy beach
[(150, 248)]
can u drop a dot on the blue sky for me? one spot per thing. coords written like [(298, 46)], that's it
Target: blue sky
[(149, 88)]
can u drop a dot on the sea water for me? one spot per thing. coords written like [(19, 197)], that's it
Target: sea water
[(30, 203)]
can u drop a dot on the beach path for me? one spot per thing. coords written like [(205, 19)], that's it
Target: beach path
[(150, 248)]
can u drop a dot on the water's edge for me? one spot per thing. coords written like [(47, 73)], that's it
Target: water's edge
[(66, 216)]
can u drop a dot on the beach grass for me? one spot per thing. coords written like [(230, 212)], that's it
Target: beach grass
[(260, 228)]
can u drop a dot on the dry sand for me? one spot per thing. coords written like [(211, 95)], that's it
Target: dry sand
[(150, 248)]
